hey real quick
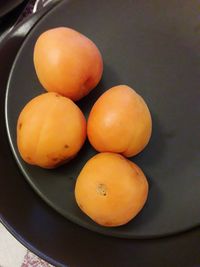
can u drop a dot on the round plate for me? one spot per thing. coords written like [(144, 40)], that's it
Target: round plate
[(154, 49), (56, 239)]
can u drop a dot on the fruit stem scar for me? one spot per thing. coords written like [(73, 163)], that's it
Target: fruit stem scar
[(101, 189)]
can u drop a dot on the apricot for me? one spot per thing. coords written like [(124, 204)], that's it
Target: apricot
[(51, 129), (67, 62), (110, 189), (119, 122)]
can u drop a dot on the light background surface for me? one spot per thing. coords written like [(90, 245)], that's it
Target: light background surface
[(14, 254)]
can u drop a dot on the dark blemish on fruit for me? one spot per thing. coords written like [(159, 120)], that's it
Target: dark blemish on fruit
[(87, 83), (107, 224), (102, 190), (66, 146), (57, 95), (20, 126), (28, 158), (55, 159), (137, 172)]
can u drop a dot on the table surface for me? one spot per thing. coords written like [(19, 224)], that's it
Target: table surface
[(14, 254)]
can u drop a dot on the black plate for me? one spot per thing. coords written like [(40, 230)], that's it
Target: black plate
[(53, 237), (7, 6), (154, 49)]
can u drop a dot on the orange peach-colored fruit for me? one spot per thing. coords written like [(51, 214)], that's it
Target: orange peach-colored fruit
[(51, 129), (67, 62), (120, 122), (110, 189)]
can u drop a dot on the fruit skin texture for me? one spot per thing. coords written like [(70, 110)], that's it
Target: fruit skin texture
[(51, 129), (110, 189), (119, 122), (67, 62)]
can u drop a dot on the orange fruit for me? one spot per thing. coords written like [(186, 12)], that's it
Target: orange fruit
[(119, 122), (110, 189), (51, 129), (67, 62)]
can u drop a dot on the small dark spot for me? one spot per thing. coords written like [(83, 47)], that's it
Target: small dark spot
[(102, 190), (28, 158), (55, 159), (170, 134), (66, 146), (57, 95), (137, 172), (20, 126), (87, 82), (108, 224)]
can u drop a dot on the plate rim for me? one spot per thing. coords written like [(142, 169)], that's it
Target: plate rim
[(44, 198)]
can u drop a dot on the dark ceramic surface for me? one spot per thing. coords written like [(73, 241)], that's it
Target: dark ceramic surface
[(155, 49), (56, 239)]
